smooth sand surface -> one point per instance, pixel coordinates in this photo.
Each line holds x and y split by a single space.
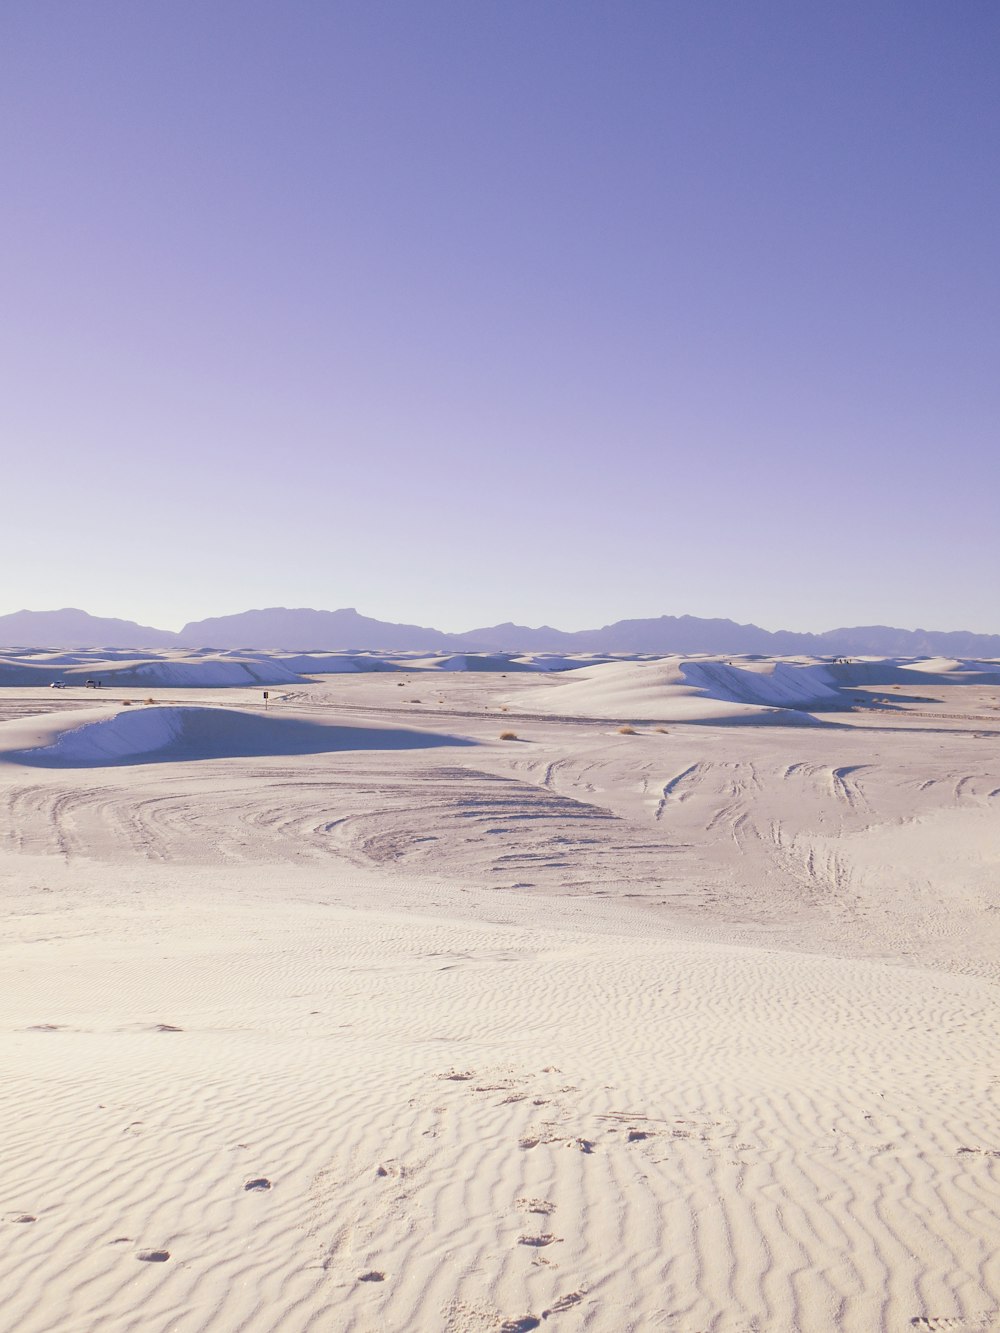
353 1016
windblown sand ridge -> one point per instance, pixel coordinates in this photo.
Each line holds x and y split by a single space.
322 1019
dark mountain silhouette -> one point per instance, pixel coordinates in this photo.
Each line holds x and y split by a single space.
71 628
303 629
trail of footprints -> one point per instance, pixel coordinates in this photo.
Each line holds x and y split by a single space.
984 1323
153 1254
539 1234
612 1131
548 1112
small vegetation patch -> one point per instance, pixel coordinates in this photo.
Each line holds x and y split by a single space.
627 731
508 735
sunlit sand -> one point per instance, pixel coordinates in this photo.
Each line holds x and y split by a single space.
343 1013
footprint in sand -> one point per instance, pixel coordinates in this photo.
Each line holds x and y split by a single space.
564 1303
373 1275
524 1324
153 1256
258 1184
20 1217
539 1242
542 1206
941 1323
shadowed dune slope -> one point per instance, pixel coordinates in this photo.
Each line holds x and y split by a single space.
90 739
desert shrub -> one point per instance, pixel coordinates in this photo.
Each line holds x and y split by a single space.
126 702
150 700
627 731
508 735
664 731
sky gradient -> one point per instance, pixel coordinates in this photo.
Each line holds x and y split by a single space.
463 313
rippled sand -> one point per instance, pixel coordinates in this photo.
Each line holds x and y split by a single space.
688 1029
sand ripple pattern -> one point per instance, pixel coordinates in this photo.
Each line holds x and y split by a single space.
697 1137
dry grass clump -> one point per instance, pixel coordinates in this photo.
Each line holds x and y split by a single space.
664 731
150 700
126 702
627 731
508 735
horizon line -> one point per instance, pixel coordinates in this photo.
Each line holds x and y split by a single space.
263 610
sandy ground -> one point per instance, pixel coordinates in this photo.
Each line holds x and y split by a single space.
356 1017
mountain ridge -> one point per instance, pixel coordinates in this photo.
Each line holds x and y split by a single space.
304 628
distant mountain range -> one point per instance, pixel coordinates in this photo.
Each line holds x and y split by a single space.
70 628
303 629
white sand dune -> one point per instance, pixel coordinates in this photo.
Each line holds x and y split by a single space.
90 738
690 690
560 661
906 671
193 668
25 671
496 662
211 672
750 689
122 672
209 667
603 1032
316 664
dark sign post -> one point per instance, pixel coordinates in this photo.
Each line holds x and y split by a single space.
265 700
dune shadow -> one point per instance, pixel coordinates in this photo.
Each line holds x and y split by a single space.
188 735
785 717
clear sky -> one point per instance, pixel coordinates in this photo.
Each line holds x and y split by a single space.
461 311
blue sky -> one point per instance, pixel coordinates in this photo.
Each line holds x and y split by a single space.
461 313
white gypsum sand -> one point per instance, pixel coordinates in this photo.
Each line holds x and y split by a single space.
351 1016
